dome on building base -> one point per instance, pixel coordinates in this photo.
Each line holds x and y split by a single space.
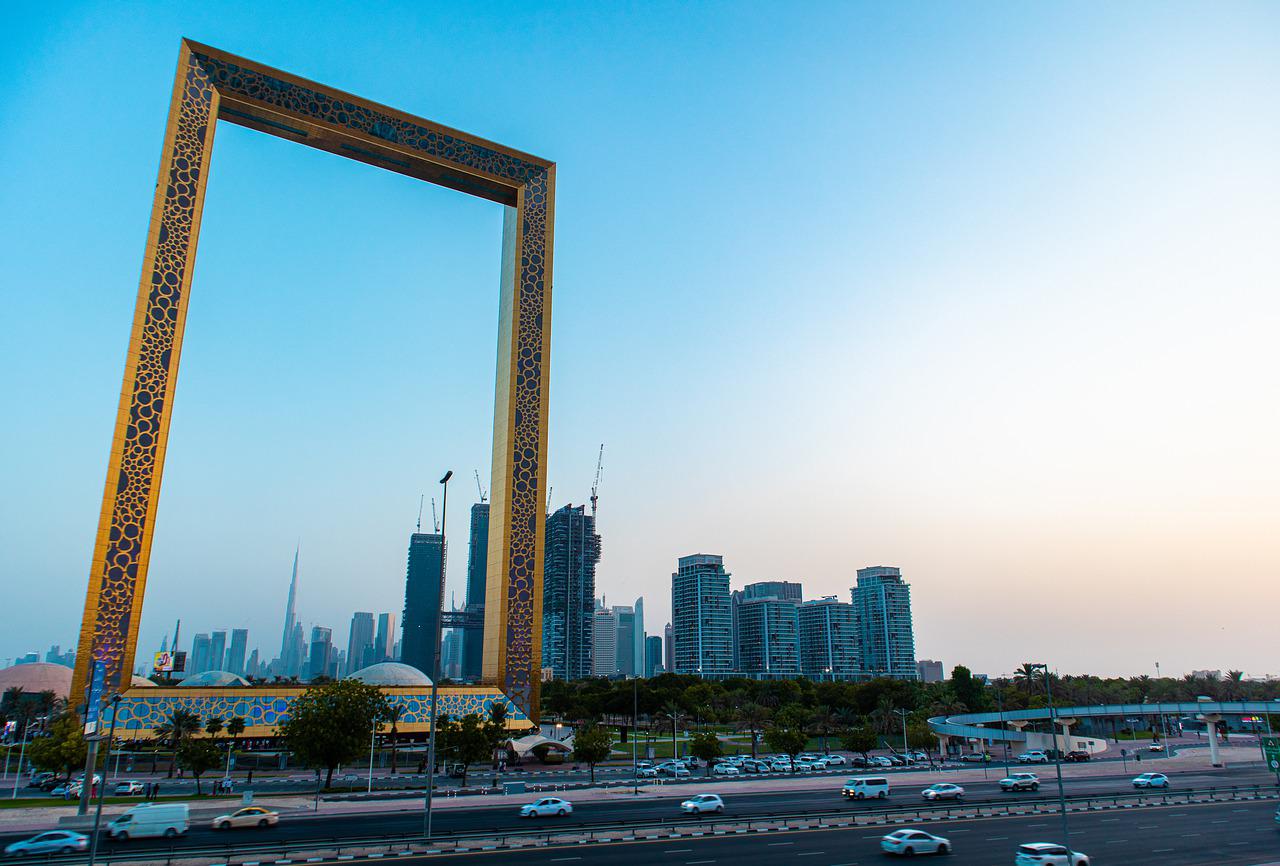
213 680
391 674
36 677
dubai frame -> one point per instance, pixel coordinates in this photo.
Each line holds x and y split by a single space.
212 85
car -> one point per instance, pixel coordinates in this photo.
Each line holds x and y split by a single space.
780 766
756 766
646 773
547 806
835 760
49 784
896 760
678 771
249 816
1156 747
858 761
1076 756
909 843
60 789
38 780
169 820
975 758
1035 756
699 803
815 763
1020 782
879 761
1048 854
943 791
865 788
643 764
1151 780
726 770
129 788
49 842
919 756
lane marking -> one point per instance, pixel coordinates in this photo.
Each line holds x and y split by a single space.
814 853
564 859
777 844
678 851
996 838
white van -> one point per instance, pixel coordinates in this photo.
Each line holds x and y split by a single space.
150 819
862 787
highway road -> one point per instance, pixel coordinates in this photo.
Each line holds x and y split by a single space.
1222 834
297 826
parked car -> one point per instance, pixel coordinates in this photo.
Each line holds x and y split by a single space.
752 765
835 760
249 816
726 770
918 756
975 757
1020 782
1156 747
646 773
151 819
879 761
1035 756
53 782
896 760
1076 756
38 780
781 766
1151 780
548 806
129 789
1048 854
858 761
943 791
699 803
865 787
49 842
909 843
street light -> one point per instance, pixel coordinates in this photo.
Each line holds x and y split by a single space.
1057 755
903 715
435 655
102 788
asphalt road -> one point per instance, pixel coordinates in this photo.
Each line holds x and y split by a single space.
1223 834
301 826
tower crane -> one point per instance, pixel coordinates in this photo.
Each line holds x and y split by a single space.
595 488
483 495
434 520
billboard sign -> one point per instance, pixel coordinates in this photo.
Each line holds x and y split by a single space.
164 662
93 707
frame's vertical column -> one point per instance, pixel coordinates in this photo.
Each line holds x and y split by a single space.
118 574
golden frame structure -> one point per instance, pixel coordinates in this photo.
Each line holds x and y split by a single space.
212 85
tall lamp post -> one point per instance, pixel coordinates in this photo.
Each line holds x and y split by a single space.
1057 755
902 714
435 654
102 789
635 718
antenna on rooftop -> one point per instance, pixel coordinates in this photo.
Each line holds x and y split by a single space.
420 499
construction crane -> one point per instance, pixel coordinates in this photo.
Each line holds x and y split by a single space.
549 489
483 494
421 499
595 488
434 520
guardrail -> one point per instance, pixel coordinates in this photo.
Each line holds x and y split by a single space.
719 825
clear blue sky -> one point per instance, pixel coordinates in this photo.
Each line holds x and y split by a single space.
987 291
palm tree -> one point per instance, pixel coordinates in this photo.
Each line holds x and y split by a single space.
177 728
392 715
884 716
752 717
1234 685
1026 677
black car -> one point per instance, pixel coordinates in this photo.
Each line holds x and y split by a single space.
1076 756
53 782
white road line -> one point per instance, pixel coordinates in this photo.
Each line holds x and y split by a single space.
678 851
1117 841
996 838
692 862
564 859
776 844
1189 835
1162 850
813 853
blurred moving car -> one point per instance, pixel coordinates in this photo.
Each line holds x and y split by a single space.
703 803
1035 756
1076 756
943 791
909 843
249 816
975 758
1151 780
1048 854
547 806
1020 782
864 787
1156 747
129 788
49 842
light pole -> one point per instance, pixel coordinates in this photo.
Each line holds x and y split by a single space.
373 738
102 789
1004 743
1164 725
435 655
1057 755
902 714
635 718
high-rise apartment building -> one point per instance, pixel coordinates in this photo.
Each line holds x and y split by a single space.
568 592
828 639
781 590
423 593
218 651
768 630
652 655
451 654
882 603
604 641
930 671
200 655
320 658
625 641
702 623
477 578
668 649
236 651
360 642
384 645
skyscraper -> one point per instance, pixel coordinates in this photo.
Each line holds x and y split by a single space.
604 641
320 656
360 642
295 664
828 639
199 655
930 671
451 654
652 655
882 603
290 665
235 652
668 650
253 668
477 575
423 594
218 651
568 592
768 630
384 645
784 590
702 624
637 640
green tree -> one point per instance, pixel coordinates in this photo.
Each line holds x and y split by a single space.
824 724
392 716
706 746
329 724
787 734
176 729
860 739
199 756
63 749
591 746
752 718
235 727
968 690
213 727
469 741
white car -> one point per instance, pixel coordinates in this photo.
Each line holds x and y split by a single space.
909 843
646 773
943 791
249 816
835 760
879 761
1035 756
703 803
1151 780
547 806
673 769
1048 854
1020 782
127 789
726 770
780 766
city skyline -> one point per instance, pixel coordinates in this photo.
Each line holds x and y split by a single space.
1011 337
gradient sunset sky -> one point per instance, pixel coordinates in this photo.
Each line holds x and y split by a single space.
986 291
